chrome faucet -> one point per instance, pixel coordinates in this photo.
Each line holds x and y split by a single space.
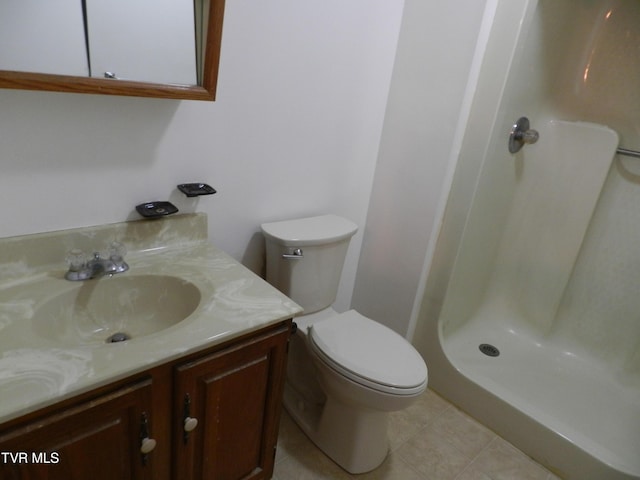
82 269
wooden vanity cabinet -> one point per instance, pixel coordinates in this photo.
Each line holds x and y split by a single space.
97 439
232 391
235 395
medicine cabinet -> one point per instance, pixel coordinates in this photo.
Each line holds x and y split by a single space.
147 48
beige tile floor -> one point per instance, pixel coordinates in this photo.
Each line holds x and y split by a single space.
431 440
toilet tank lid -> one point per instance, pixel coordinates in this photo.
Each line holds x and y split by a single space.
310 231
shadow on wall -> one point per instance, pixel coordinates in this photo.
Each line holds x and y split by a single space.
254 257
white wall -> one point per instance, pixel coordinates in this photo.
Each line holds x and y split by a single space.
435 51
295 131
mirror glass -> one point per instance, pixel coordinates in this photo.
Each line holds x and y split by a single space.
157 48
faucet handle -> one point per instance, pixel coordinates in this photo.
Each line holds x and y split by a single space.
117 251
76 259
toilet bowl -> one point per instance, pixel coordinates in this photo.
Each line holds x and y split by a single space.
345 371
376 361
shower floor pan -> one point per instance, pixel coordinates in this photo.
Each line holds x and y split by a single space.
574 396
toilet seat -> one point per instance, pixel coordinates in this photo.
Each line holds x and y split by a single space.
369 353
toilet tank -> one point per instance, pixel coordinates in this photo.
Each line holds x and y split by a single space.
305 258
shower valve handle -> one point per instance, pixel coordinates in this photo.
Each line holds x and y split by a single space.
521 135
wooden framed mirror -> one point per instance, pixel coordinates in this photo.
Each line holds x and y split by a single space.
209 59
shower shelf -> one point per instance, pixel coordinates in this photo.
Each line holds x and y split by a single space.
628 153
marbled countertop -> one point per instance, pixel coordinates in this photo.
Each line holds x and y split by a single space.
37 370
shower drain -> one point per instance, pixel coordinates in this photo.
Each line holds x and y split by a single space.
489 350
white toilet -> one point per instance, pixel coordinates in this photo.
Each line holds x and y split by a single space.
345 371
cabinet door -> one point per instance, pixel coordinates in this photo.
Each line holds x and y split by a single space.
97 440
43 37
235 395
142 41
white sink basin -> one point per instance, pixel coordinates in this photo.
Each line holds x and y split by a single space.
99 310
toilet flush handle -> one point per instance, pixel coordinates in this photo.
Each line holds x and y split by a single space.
296 254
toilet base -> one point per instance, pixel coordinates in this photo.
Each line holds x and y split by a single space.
354 438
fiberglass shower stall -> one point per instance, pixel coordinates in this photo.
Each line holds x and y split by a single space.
530 318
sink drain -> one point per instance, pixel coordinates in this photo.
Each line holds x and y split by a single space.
489 350
118 337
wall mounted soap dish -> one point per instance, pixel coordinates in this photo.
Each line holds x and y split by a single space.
196 189
156 209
